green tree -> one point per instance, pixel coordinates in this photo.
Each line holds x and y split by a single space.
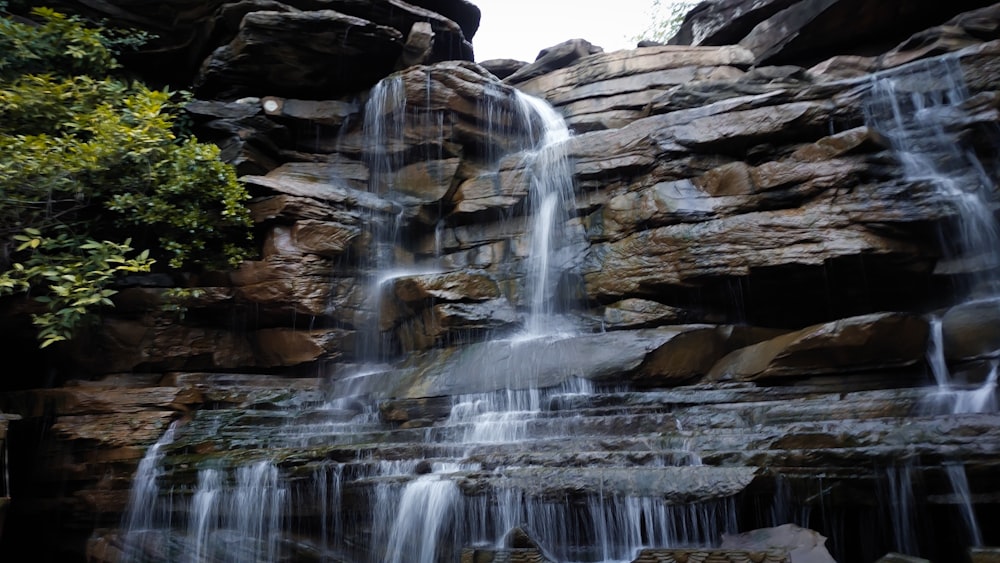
666 17
89 162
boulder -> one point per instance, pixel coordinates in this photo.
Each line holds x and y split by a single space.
639 313
875 341
972 330
322 238
284 285
454 286
282 347
554 58
693 351
502 68
313 55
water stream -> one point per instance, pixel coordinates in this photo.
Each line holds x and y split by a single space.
424 493
916 107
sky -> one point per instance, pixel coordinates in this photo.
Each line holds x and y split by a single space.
519 29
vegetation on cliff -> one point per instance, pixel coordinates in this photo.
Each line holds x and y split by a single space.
92 168
665 18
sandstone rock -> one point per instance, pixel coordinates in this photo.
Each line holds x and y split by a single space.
783 30
725 22
161 342
709 554
323 238
323 112
878 340
639 313
418 46
972 330
284 284
337 182
455 323
431 309
268 56
428 181
277 347
693 351
613 89
554 58
803 545
963 30
730 246
455 286
502 68
984 554
248 139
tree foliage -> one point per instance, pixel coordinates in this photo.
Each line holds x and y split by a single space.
90 162
665 19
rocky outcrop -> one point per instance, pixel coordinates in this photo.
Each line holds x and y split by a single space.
780 31
299 48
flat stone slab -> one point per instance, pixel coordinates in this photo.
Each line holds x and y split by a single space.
524 363
674 485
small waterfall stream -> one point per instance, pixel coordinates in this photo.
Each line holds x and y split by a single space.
915 107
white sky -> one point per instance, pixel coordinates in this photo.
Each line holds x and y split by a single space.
519 29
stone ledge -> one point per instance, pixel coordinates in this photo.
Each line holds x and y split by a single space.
525 555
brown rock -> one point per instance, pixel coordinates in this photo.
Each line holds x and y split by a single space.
984 555
878 340
461 285
972 330
639 313
693 352
300 54
321 112
289 347
162 342
323 238
553 58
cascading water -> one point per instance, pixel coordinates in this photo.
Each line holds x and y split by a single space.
421 494
551 193
915 107
145 512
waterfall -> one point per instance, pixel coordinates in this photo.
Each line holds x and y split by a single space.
425 512
422 491
953 398
960 486
902 508
915 107
551 194
204 514
145 508
383 134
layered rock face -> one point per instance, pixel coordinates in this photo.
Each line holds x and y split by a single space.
768 308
